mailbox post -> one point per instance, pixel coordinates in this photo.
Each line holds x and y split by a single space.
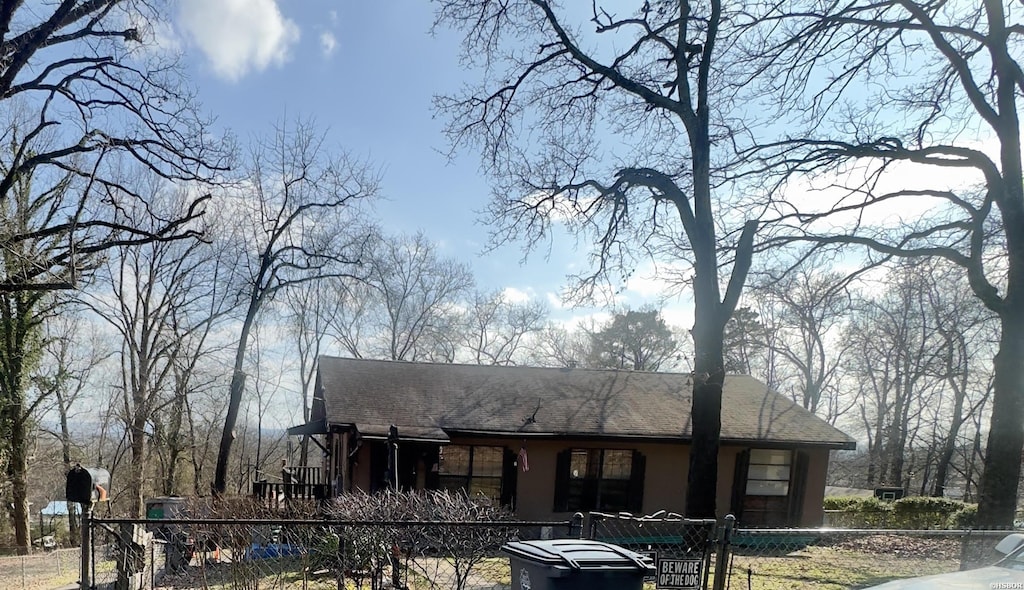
87 486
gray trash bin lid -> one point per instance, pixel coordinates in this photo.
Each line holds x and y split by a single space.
579 554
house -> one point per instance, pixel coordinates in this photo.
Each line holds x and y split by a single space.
550 442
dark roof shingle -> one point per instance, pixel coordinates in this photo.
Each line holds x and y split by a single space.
435 398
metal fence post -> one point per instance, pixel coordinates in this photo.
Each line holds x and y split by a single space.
722 552
83 582
576 526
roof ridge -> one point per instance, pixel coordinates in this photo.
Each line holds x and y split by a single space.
535 367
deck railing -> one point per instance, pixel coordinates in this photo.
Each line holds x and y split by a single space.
306 483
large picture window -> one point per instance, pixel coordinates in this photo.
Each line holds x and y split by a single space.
599 479
474 469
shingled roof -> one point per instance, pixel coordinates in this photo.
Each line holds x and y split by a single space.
429 400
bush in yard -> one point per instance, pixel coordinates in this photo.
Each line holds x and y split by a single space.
965 518
438 552
841 502
924 512
858 512
912 512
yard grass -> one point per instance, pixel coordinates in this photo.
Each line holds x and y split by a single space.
815 567
828 568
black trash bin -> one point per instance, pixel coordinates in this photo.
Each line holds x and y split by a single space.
572 564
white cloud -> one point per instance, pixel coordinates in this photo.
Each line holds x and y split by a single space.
237 36
328 43
514 295
555 300
678 315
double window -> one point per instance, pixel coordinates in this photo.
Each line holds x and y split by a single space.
476 470
599 479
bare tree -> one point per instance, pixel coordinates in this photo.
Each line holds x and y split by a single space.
497 327
82 94
70 355
418 294
656 81
558 346
933 83
84 91
745 336
895 350
155 303
309 309
195 323
298 223
813 305
262 440
351 304
967 331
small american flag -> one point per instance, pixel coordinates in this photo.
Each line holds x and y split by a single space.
524 460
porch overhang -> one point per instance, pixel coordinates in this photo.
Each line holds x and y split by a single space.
408 433
309 428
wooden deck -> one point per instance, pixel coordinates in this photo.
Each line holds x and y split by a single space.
307 483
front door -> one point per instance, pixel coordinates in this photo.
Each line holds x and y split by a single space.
768 487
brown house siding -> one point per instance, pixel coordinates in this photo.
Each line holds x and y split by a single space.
558 409
814 495
664 481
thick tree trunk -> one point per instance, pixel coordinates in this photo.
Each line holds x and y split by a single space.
237 387
706 417
997 496
227 438
17 471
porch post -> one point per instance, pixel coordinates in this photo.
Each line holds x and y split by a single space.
341 464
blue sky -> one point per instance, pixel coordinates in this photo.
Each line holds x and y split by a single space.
366 71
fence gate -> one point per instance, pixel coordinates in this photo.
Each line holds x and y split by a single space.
682 548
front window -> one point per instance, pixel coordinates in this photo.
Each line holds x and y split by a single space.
473 469
599 479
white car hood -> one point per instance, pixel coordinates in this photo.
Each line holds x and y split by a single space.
982 579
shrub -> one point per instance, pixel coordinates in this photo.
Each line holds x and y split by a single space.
840 502
912 512
459 548
924 512
965 518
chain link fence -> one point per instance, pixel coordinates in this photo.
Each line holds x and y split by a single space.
432 554
314 554
782 559
841 559
40 570
681 548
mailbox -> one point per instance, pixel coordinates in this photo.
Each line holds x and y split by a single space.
86 485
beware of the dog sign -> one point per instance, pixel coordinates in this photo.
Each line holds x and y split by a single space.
678 574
